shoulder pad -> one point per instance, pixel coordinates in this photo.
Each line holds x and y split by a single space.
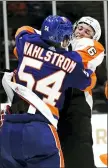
23 30
80 44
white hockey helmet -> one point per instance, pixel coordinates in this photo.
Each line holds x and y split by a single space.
92 23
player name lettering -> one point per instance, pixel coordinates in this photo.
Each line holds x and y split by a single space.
56 59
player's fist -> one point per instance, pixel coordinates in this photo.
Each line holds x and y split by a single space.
1 118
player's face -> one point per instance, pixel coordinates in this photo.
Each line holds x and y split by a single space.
84 30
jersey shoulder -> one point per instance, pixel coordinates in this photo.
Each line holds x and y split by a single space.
91 51
24 29
83 43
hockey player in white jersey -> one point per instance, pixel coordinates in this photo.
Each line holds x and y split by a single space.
75 128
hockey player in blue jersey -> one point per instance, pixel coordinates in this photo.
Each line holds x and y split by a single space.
45 70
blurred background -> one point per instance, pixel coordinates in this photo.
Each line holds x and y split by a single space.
14 14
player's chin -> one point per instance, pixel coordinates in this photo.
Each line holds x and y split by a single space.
78 37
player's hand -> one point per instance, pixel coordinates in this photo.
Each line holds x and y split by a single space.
1 118
3 113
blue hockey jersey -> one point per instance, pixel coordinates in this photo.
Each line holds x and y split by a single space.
46 70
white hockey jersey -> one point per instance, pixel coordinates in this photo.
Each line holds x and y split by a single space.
92 53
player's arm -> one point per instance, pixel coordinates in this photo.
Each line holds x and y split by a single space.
24 30
21 32
92 54
79 77
93 82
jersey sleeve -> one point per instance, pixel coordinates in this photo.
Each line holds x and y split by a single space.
93 79
92 54
79 78
24 30
19 41
19 38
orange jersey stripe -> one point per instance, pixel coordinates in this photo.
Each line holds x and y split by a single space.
58 145
54 110
24 28
15 52
93 82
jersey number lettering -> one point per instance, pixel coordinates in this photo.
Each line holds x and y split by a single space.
92 51
48 86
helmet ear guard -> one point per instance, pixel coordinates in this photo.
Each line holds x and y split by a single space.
92 23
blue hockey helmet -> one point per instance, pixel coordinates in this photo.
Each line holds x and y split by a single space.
56 28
